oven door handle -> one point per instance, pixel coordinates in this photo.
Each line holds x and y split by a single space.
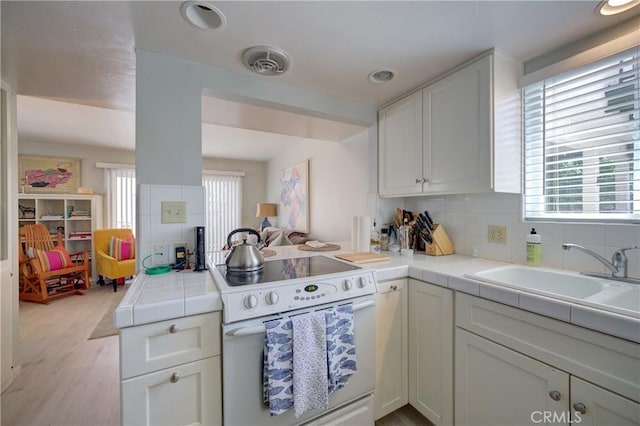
258 329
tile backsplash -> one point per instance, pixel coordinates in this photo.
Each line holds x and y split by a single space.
151 230
466 219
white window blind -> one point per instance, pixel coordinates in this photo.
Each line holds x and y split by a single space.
582 143
120 186
223 207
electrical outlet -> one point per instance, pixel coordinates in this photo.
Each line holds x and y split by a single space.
160 254
497 234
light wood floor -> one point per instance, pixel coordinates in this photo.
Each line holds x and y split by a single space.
65 378
405 416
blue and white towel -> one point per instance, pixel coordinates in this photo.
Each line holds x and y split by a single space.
278 366
310 382
338 359
341 346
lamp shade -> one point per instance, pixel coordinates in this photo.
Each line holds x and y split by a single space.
267 210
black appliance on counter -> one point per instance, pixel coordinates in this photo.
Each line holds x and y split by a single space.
200 262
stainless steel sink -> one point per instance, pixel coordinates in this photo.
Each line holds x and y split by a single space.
599 292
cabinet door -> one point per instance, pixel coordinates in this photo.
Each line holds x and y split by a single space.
184 395
431 351
594 406
457 131
498 386
392 389
400 147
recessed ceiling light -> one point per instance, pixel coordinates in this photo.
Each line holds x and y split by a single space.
613 7
203 15
381 76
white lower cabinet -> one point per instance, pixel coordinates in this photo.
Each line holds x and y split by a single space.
431 351
170 372
188 394
498 386
514 367
597 406
392 389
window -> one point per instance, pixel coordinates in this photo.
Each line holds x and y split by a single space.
120 186
223 206
582 143
223 201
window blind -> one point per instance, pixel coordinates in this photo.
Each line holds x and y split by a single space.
223 207
581 137
120 186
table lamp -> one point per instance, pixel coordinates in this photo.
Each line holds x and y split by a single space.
266 210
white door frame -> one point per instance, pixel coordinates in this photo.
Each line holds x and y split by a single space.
8 234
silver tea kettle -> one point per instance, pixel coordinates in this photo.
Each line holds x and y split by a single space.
244 257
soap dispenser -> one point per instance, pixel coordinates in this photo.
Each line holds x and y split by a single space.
534 248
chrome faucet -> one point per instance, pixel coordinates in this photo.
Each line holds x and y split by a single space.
619 261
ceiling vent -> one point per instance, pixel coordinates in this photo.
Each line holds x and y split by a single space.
266 60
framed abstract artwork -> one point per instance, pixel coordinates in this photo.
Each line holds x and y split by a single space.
294 197
48 174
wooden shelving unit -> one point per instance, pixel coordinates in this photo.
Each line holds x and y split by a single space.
76 216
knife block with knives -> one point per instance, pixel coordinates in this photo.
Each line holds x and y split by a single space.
436 240
441 244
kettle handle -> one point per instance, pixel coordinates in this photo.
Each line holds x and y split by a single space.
248 230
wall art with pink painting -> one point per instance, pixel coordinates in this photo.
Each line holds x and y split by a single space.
48 174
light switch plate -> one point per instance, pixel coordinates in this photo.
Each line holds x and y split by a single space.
174 211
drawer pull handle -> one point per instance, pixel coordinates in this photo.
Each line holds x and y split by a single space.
394 287
174 378
419 180
174 329
580 407
555 395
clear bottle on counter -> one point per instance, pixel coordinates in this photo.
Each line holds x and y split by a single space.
403 236
375 239
384 239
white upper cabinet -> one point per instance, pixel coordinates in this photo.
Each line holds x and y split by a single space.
470 134
400 146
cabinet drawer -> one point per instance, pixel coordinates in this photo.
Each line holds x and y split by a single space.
599 358
159 345
182 395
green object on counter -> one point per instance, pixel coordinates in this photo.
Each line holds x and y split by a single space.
534 248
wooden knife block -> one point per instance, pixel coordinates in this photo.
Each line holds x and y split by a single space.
441 245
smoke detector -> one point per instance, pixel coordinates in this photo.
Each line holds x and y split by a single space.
266 60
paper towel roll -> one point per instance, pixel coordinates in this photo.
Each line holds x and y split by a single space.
364 233
355 225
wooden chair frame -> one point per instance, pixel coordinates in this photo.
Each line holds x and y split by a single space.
40 286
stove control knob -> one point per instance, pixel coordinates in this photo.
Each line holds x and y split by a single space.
250 301
362 282
272 298
347 284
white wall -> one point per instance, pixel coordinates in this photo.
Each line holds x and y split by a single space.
466 218
339 182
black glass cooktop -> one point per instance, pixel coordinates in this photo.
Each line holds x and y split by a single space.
286 269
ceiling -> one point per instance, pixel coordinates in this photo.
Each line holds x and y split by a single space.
80 57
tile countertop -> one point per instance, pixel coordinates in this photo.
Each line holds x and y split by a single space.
177 294
153 298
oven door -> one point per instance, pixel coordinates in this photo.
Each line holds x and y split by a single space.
242 348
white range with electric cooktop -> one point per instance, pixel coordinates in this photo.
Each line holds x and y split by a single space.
285 288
